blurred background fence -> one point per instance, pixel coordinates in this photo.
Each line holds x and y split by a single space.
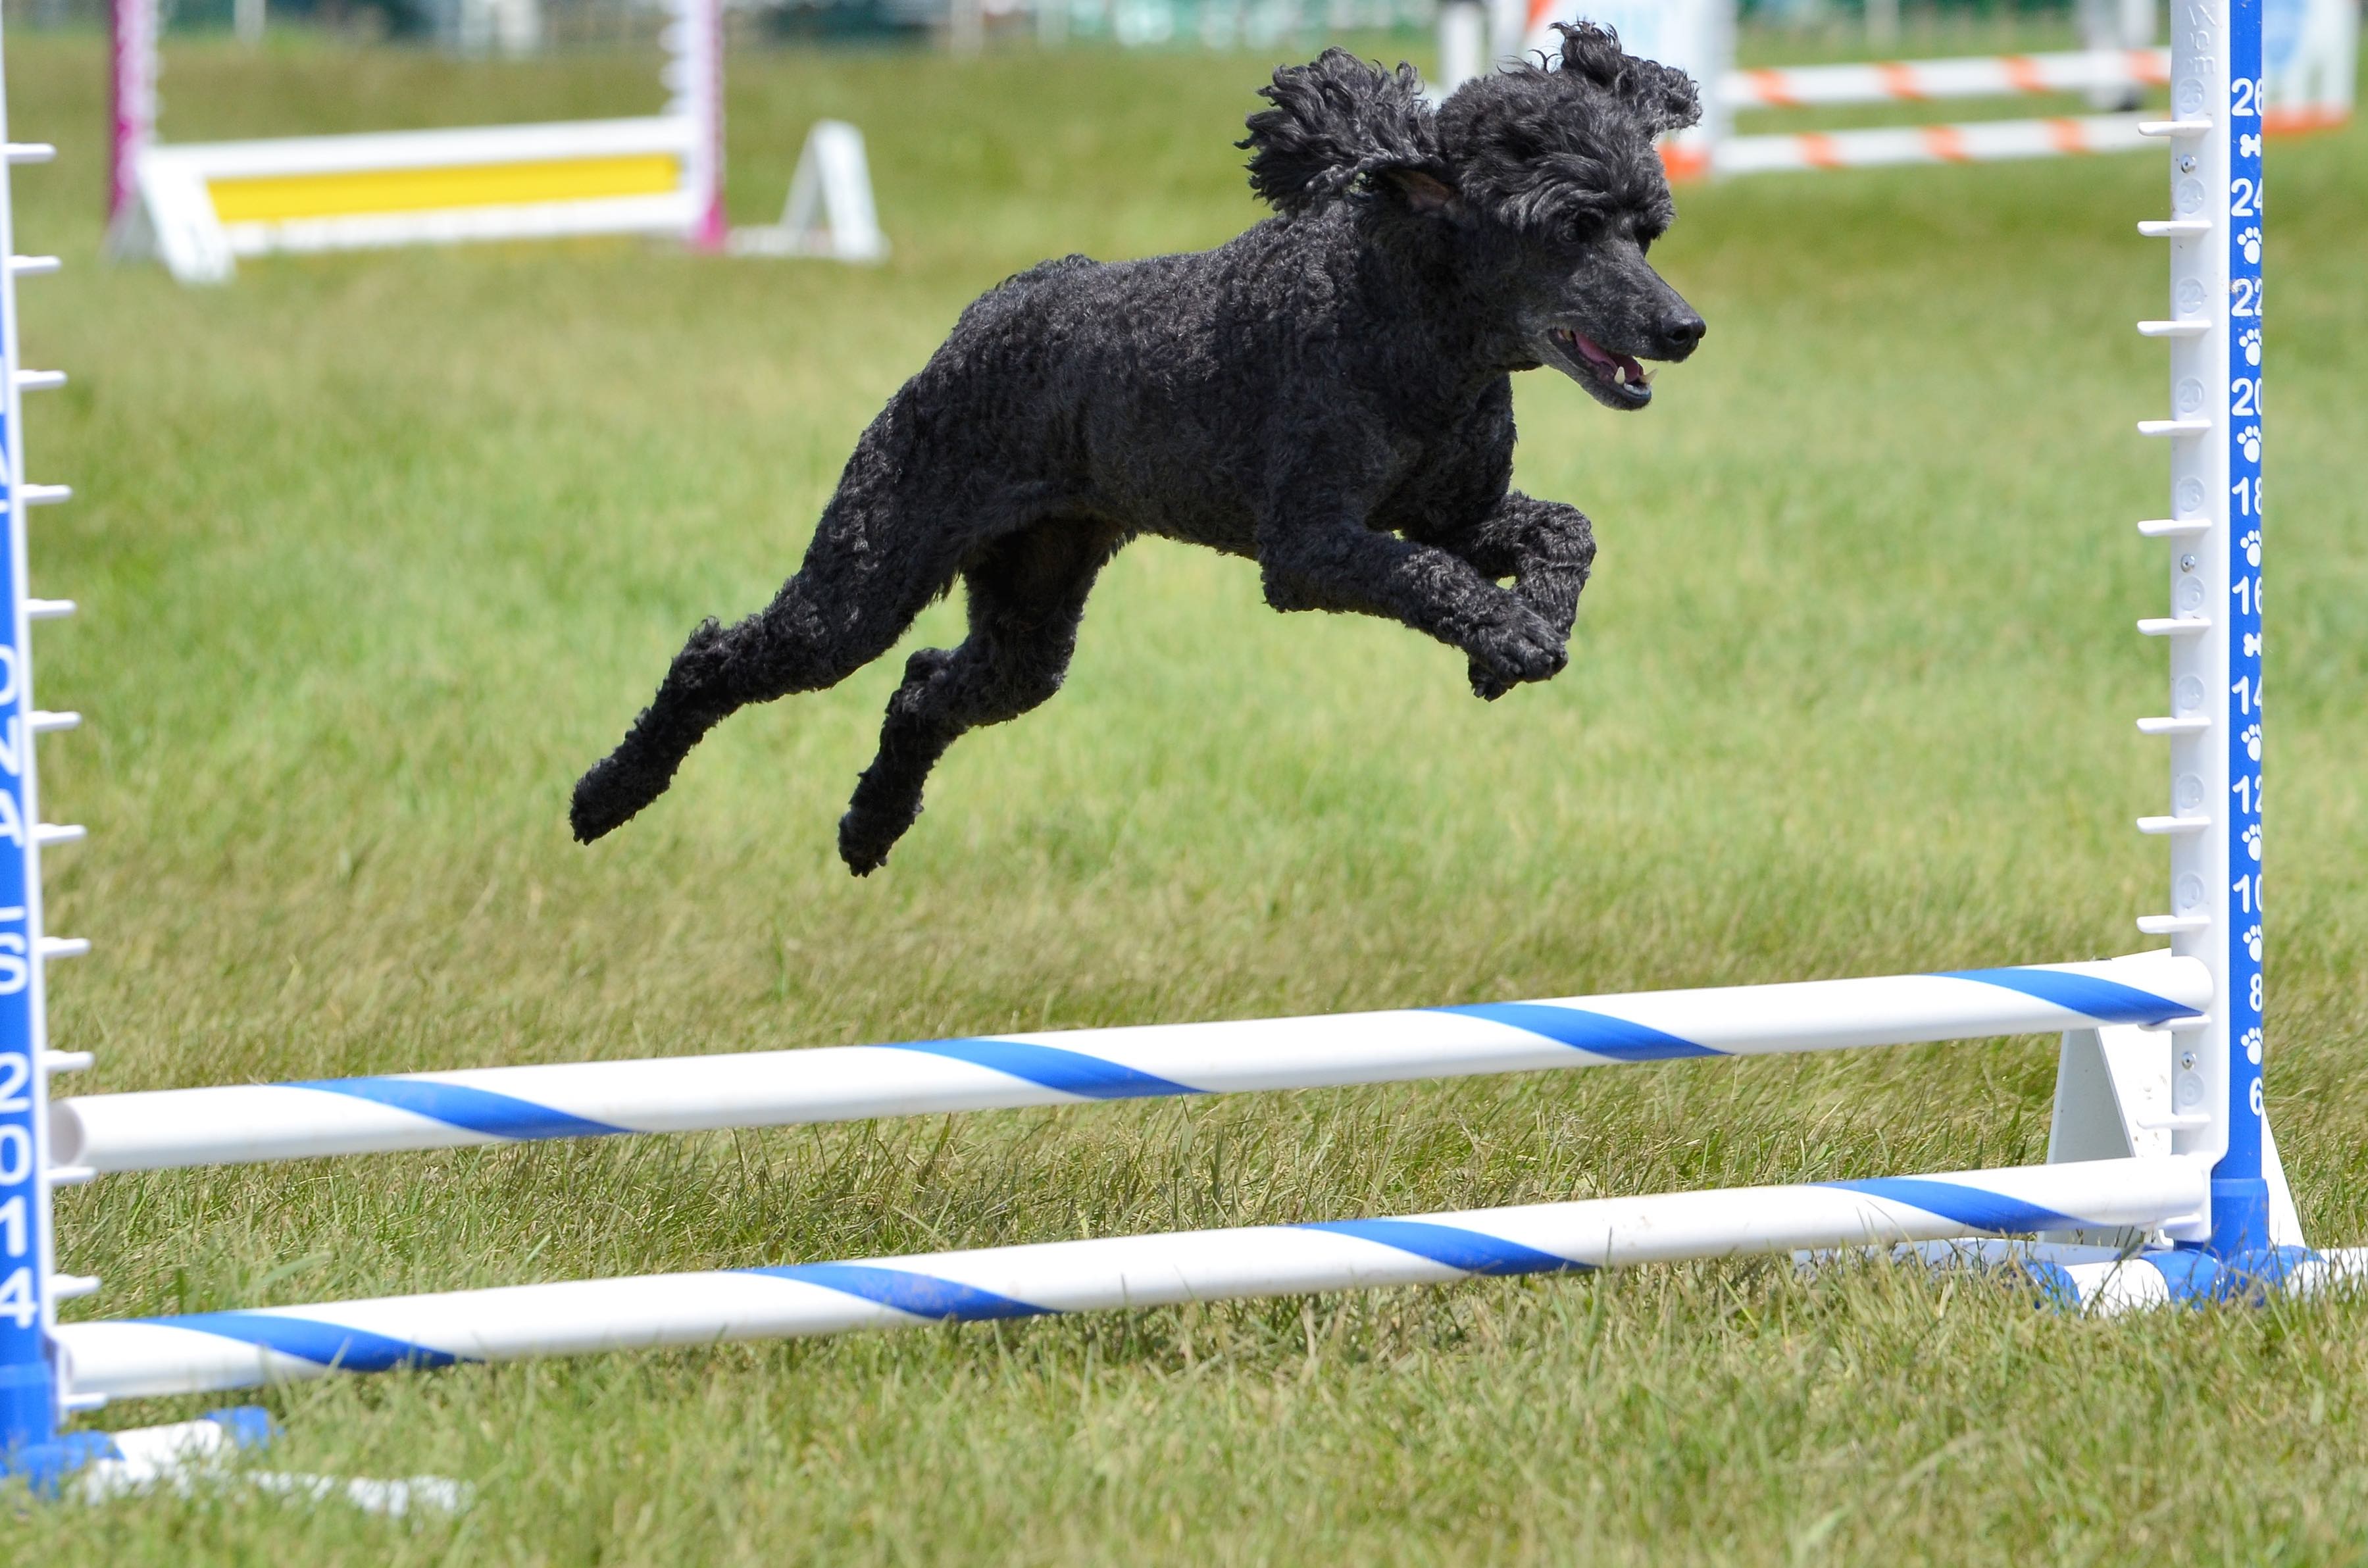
541 26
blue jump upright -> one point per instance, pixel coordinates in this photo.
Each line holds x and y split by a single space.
2162 1184
32 1395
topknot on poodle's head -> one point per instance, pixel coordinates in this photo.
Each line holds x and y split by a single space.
1546 172
1565 146
1665 96
1587 117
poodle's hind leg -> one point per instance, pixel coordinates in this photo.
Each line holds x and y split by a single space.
863 580
1027 595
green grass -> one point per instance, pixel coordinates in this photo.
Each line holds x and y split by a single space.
376 552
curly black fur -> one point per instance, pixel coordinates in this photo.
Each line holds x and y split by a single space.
1328 394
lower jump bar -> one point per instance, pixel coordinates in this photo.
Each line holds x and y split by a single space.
172 1128
143 1357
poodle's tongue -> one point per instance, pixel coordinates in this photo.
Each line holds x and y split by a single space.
1606 364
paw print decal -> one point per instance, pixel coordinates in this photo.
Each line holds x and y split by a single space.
2251 545
2252 1043
2251 342
2249 438
2253 942
2253 843
2252 739
2249 242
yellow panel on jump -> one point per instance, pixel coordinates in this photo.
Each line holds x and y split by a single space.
278 199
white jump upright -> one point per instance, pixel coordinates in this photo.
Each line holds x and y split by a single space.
32 1401
2159 1141
2213 535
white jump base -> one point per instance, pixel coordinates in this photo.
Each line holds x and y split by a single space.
180 185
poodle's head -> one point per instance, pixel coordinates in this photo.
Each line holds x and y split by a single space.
1542 178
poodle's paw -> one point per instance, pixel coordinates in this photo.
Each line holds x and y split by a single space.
613 793
1523 647
926 664
866 833
619 787
1485 684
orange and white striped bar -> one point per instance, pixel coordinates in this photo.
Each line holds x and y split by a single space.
1976 76
1978 141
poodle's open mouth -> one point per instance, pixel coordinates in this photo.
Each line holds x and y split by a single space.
1616 380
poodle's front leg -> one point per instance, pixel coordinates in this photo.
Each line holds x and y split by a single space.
1545 547
1341 564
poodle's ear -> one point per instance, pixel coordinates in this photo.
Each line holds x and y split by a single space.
1665 98
1338 122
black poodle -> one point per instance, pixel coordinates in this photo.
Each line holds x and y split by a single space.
1328 394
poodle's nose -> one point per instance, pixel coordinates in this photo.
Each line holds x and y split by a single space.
1681 331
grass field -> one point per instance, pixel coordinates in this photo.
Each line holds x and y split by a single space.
377 552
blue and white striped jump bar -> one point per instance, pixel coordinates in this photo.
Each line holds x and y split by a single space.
171 1128
235 1349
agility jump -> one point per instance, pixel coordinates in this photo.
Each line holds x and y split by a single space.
197 206
2159 1140
2307 85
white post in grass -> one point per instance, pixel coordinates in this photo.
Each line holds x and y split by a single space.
1882 23
1462 43
966 27
693 75
133 64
